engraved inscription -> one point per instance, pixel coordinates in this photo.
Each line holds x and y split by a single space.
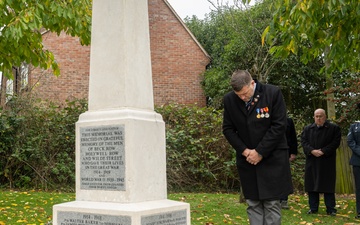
102 158
168 218
77 218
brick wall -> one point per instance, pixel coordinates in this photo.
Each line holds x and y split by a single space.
74 61
177 62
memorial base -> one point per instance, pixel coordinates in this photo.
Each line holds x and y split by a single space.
120 156
161 212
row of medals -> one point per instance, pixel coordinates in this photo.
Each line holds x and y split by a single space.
262 113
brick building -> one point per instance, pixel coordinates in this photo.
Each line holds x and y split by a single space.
177 58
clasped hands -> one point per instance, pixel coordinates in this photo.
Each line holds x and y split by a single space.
317 152
252 156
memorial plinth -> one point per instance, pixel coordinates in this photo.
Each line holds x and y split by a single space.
103 213
120 140
122 156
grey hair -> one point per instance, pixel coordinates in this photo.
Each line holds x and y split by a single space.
239 79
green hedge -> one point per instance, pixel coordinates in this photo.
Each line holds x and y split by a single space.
198 155
37 144
37 147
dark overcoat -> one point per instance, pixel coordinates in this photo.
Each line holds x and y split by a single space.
261 128
291 137
320 172
353 140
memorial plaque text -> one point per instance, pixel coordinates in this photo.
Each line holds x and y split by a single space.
102 158
168 218
77 218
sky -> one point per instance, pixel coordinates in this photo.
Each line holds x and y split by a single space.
198 7
191 7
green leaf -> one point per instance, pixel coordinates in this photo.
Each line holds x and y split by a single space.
21 25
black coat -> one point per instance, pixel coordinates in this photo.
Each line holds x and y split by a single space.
353 140
270 179
291 137
320 172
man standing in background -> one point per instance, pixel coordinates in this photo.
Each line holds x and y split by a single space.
353 140
320 141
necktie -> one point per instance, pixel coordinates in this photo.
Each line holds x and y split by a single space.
248 104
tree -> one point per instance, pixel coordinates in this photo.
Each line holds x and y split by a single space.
346 96
22 23
301 85
232 37
317 28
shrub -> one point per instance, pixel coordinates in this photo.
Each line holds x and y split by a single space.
38 143
37 147
297 171
198 156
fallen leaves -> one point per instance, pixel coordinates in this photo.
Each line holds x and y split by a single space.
35 208
29 207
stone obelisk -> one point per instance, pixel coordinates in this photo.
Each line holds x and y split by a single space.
120 140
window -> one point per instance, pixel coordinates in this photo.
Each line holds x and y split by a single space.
20 82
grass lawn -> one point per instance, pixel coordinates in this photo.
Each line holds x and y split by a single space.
35 207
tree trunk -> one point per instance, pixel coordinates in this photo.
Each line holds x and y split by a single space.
329 84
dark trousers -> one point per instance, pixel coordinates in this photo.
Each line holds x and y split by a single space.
356 171
329 199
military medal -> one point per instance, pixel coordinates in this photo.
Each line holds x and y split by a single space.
258 113
266 109
262 113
